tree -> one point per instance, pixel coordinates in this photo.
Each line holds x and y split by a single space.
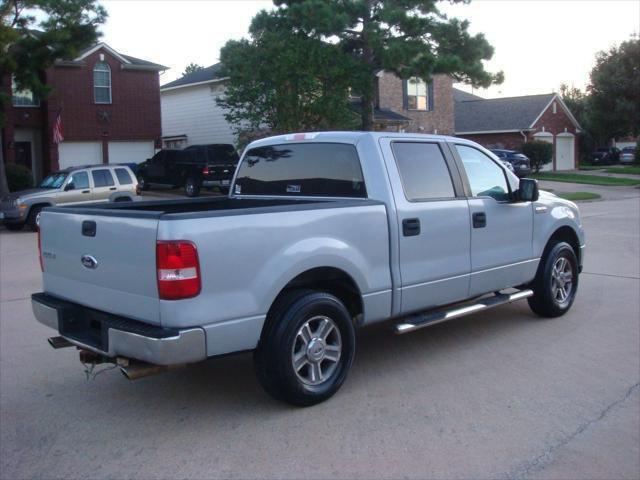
192 68
28 46
615 91
407 37
281 80
540 153
578 103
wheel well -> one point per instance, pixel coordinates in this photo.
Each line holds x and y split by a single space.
330 280
565 234
42 205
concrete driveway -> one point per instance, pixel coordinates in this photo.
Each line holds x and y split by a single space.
497 395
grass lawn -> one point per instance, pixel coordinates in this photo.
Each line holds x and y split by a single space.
630 170
590 167
587 179
577 196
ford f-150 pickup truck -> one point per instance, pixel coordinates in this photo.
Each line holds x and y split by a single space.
321 233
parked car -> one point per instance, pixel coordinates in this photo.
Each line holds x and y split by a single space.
519 161
322 233
83 184
605 156
628 155
192 168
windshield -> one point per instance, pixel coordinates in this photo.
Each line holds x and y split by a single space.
55 180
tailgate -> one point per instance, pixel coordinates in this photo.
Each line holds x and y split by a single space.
106 262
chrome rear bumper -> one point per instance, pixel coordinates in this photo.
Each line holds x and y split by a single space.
169 347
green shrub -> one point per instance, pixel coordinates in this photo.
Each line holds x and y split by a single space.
540 153
18 177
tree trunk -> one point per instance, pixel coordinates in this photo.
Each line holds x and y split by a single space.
4 186
367 112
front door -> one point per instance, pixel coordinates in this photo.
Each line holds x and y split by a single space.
76 189
501 231
23 154
433 223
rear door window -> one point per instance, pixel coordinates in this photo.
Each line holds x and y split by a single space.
311 169
423 171
123 176
102 178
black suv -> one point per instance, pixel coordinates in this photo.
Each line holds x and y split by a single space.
605 156
194 167
519 161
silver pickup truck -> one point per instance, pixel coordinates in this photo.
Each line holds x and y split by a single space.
321 233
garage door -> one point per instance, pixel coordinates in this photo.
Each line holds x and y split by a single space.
72 154
565 152
130 152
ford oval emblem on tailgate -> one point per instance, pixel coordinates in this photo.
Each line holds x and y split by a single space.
89 262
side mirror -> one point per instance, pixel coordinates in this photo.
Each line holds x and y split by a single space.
69 186
527 191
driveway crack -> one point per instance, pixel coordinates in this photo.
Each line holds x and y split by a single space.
545 458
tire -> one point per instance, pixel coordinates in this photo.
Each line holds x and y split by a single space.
14 227
144 186
556 282
283 342
34 218
191 187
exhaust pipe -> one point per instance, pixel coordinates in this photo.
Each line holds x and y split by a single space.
135 371
59 342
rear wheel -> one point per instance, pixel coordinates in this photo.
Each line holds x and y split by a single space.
556 282
33 220
306 349
191 187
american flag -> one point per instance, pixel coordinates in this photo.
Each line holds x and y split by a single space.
58 132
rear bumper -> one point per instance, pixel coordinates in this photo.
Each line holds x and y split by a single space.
216 183
115 336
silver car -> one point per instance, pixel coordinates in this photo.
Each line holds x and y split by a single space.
82 184
628 155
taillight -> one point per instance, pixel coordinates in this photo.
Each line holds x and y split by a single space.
178 270
205 171
40 251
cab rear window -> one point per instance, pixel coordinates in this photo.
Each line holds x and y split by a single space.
303 169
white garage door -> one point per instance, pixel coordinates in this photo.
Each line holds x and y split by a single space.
565 152
130 152
72 154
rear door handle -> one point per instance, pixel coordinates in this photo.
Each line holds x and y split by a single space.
86 191
479 220
112 188
411 227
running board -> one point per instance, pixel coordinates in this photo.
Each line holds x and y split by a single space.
415 322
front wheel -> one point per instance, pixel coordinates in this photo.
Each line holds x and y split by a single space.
33 220
306 349
556 283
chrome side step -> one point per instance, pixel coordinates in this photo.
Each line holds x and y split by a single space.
415 322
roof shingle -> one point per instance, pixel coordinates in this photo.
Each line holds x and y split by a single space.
209 73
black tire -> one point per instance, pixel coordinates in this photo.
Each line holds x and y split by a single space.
274 356
142 183
547 301
34 217
14 227
191 187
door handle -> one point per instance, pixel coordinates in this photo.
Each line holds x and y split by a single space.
112 188
479 220
411 227
86 191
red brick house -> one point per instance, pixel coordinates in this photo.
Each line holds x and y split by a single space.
109 104
509 122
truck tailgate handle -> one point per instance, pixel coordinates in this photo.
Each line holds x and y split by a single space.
411 227
479 220
89 228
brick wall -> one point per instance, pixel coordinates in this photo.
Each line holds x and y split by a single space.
440 119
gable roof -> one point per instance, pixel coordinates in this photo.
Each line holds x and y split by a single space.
126 60
462 96
501 114
206 75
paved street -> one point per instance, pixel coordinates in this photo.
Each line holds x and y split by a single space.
503 394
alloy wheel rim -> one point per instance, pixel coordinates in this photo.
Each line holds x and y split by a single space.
561 280
316 350
38 219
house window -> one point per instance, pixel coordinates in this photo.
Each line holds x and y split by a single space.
23 98
102 83
417 94
555 108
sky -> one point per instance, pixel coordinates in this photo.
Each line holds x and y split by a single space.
539 44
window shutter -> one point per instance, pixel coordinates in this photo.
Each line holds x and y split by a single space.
430 94
405 100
